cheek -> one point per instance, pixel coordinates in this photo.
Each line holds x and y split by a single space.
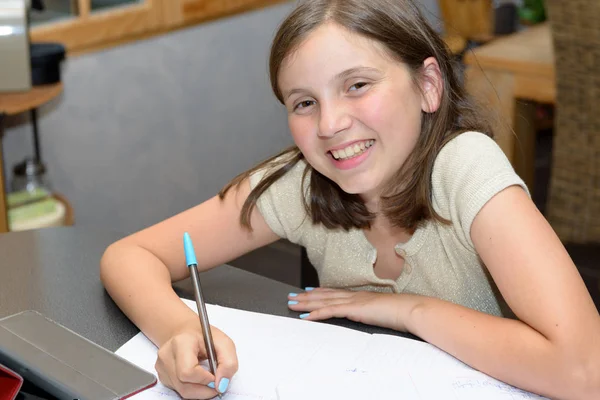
382 115
392 113
300 130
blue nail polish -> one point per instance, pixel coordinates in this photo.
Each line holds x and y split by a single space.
304 315
293 294
292 302
211 385
223 385
308 289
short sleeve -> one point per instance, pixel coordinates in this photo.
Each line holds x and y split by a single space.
281 205
468 172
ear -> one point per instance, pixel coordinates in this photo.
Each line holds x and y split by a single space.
431 85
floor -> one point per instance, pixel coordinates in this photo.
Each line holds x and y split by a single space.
283 261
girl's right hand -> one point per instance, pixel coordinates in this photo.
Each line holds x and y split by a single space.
178 363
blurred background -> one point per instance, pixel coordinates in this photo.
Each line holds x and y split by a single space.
117 114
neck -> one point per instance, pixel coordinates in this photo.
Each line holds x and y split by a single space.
372 201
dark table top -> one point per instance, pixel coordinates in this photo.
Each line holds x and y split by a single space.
55 271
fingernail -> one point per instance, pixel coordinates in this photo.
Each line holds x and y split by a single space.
292 302
293 294
211 385
308 288
304 315
223 384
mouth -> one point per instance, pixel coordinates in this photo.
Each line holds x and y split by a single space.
351 151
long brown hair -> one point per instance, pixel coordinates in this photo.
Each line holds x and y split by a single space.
408 38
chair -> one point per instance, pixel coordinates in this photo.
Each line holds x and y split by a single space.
466 20
574 195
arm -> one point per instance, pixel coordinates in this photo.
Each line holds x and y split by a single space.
137 271
553 349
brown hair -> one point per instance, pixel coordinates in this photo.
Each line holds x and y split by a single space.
408 38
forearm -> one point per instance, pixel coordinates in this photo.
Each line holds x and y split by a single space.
506 349
141 286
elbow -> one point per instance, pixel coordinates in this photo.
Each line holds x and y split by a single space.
590 382
108 262
585 378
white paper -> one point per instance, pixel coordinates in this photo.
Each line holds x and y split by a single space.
393 367
269 349
291 359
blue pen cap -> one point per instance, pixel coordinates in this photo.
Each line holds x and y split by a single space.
190 255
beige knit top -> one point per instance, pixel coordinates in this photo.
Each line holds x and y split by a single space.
440 260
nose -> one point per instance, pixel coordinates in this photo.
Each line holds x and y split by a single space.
333 119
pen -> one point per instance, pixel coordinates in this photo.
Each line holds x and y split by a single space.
190 259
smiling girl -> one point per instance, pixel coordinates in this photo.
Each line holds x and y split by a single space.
410 212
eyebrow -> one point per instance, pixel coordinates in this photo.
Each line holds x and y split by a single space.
341 76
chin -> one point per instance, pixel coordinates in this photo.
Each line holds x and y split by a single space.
355 187
354 184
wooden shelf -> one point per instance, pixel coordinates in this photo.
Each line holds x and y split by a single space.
69 214
17 102
13 103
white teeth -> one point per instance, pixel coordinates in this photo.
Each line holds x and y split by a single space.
352 150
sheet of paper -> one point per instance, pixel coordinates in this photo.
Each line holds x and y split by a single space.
466 385
349 384
291 359
393 367
357 384
269 349
387 352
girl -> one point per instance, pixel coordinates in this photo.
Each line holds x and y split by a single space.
410 212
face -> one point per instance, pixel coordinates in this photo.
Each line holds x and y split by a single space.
353 111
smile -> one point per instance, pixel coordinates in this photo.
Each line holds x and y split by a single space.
353 150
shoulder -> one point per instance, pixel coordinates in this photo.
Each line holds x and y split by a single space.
468 147
468 171
471 156
282 203
291 177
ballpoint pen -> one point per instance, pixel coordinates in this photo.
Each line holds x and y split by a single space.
190 259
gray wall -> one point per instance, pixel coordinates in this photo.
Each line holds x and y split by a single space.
149 129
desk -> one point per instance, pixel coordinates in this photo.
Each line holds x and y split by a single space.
519 66
16 103
55 271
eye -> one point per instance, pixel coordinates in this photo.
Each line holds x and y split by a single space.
357 86
304 104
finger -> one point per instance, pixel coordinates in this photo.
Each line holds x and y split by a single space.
162 370
320 294
186 390
317 304
318 289
335 311
227 362
195 391
187 365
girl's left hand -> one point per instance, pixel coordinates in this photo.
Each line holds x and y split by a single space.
387 310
